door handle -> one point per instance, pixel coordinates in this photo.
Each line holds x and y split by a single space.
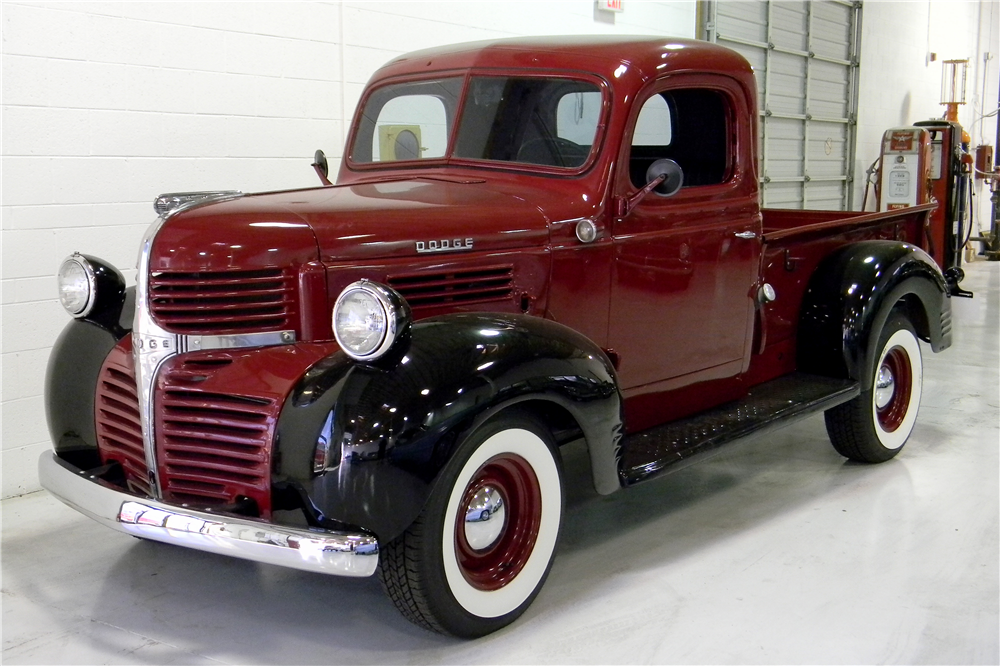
746 234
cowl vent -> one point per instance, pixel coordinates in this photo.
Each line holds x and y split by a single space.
453 287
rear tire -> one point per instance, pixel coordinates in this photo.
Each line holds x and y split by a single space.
481 549
874 426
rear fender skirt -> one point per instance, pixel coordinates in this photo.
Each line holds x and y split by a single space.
385 430
850 296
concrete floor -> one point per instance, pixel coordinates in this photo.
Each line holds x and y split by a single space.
777 551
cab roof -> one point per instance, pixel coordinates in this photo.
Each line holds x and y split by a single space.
600 54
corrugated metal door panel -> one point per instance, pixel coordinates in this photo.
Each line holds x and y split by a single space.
831 33
826 195
784 195
804 56
830 92
785 145
789 25
786 85
745 21
826 150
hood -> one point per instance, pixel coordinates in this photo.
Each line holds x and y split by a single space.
231 236
384 220
402 218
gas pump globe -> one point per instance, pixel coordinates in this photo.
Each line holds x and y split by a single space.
953 89
953 81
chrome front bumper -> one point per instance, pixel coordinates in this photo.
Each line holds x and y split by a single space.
321 551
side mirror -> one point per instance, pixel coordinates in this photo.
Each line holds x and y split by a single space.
322 167
673 177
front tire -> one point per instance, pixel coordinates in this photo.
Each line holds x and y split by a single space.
480 551
874 426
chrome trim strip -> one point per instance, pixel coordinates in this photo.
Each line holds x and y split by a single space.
575 220
319 551
235 341
151 346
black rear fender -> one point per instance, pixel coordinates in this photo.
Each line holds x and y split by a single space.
851 295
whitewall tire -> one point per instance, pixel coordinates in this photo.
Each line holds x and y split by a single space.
874 426
481 550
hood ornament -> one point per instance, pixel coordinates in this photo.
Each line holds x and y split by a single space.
168 204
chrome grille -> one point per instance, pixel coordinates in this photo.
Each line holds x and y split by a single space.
213 448
116 406
223 302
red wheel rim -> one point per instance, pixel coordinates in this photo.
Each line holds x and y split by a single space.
493 567
897 363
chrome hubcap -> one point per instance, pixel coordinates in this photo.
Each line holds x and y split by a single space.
885 387
485 516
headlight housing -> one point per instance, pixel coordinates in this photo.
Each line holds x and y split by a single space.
91 288
368 318
77 285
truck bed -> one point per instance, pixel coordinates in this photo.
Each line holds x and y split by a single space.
795 241
780 224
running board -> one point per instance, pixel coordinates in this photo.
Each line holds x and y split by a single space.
765 408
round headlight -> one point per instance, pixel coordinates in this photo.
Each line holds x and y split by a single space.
367 319
77 285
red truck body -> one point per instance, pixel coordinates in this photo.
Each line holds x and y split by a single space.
525 283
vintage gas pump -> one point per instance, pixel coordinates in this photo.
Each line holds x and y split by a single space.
951 176
931 162
903 178
951 168
922 164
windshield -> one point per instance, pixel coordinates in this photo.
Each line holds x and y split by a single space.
526 120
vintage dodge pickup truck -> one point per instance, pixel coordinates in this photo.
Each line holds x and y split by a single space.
529 242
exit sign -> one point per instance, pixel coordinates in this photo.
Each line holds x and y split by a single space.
611 5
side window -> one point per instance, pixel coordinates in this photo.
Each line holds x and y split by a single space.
690 127
652 128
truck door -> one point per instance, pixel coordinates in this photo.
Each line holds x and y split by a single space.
685 266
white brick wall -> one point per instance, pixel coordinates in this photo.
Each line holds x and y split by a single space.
107 104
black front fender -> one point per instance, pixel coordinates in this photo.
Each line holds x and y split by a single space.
385 430
850 297
72 374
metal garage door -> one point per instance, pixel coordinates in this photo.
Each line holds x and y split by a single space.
805 56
